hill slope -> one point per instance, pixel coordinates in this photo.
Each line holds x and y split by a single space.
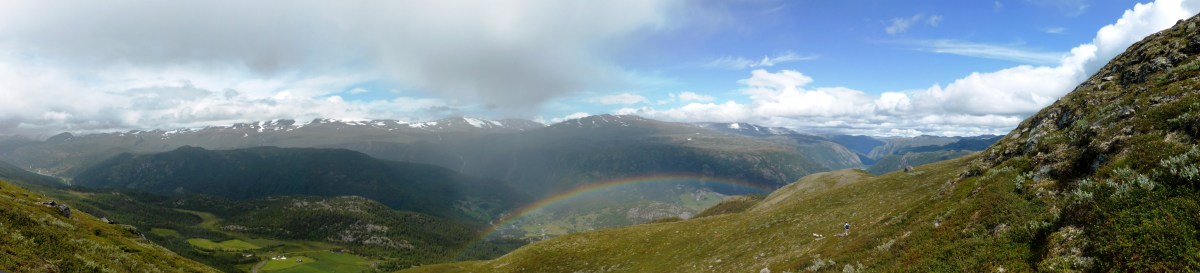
269 171
395 239
776 233
38 238
15 174
1105 179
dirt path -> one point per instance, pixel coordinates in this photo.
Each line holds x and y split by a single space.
258 266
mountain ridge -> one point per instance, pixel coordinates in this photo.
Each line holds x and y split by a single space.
266 171
1104 179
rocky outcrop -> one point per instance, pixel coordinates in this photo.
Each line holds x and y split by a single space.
1097 121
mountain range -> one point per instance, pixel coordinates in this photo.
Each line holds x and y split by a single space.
1103 180
269 171
536 160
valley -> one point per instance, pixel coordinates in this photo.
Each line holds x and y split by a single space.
600 136
234 209
520 162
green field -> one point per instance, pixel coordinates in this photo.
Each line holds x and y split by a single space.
229 245
209 221
165 232
321 261
290 262
303 256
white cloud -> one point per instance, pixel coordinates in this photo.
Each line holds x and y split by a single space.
506 56
935 20
730 62
623 98
900 25
988 51
688 96
979 103
1070 8
1055 30
1025 89
44 99
576 115
695 112
782 94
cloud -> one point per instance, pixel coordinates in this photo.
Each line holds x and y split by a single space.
696 112
782 99
1055 30
737 63
687 96
900 25
979 103
576 115
987 51
509 56
1025 89
623 98
935 20
1070 8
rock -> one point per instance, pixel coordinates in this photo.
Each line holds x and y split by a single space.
765 270
1193 45
66 211
1000 229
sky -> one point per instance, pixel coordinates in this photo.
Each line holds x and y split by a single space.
871 67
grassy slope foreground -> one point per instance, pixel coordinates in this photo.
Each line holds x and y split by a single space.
776 233
1105 179
37 238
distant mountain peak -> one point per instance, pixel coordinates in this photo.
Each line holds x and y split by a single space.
473 123
604 120
747 129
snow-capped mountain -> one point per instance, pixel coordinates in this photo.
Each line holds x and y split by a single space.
746 129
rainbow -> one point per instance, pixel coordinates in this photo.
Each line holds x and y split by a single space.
573 193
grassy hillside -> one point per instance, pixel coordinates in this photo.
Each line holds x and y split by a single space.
776 233
1105 179
907 152
14 174
893 163
38 238
269 171
540 162
219 231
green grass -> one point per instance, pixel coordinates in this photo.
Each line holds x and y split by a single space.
610 208
265 243
732 205
208 220
164 232
290 262
319 261
776 232
36 238
228 245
